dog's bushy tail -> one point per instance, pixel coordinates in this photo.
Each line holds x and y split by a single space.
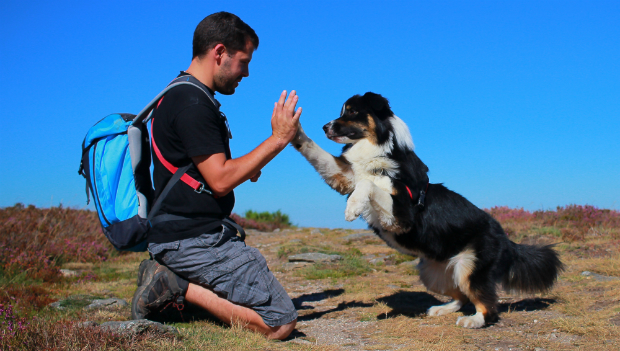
533 269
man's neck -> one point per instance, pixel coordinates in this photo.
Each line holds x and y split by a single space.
200 70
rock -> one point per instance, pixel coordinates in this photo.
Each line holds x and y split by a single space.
598 277
107 304
56 305
368 257
314 257
359 237
75 301
316 231
68 273
88 302
291 266
378 260
295 241
391 286
139 326
277 230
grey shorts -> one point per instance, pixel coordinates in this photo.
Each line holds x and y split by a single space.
231 269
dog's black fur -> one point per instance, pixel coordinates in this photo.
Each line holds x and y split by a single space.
446 224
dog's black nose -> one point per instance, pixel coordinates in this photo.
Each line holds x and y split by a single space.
327 126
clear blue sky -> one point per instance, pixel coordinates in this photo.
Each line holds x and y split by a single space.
511 103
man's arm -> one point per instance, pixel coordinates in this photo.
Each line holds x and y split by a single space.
224 175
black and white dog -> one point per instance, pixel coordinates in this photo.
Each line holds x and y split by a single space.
464 252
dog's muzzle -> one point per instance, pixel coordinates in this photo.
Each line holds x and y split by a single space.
329 130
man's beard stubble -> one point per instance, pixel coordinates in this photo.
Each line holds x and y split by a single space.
225 84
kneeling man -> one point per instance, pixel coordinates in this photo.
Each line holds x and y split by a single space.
197 253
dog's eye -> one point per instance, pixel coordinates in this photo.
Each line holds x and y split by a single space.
352 112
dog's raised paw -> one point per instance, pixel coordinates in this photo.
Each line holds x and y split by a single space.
350 215
471 322
354 209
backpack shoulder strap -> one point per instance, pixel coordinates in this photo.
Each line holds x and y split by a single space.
144 115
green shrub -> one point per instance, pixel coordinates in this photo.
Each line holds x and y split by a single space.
270 217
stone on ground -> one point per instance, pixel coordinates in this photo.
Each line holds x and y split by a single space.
138 326
314 257
107 304
359 236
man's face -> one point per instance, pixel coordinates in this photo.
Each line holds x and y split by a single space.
232 69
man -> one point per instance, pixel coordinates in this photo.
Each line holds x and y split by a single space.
199 256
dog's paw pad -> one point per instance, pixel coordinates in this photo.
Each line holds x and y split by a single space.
471 322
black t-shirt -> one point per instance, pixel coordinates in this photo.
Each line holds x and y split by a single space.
187 124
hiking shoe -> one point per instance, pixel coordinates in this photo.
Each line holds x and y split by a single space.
146 265
159 287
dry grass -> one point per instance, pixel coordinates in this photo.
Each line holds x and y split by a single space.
349 305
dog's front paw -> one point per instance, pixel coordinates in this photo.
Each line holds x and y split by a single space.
300 138
350 215
354 209
472 322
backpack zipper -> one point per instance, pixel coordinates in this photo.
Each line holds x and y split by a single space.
96 193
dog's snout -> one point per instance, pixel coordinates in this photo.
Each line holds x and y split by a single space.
328 126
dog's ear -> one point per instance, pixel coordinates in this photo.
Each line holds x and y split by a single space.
378 103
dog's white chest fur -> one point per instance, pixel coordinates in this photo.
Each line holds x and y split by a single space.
372 172
370 162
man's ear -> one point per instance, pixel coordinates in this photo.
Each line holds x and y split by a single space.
377 102
219 50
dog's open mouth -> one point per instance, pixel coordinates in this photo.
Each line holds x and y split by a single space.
338 138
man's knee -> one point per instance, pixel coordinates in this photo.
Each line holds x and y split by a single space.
283 331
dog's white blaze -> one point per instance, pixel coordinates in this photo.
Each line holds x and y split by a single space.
401 132
462 265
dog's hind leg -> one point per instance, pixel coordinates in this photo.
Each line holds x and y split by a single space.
459 299
336 171
438 277
484 313
484 298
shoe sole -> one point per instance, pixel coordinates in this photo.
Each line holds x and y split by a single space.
135 314
143 266
146 272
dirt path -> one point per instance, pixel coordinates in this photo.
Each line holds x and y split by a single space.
384 308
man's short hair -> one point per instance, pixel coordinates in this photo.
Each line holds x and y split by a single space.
222 28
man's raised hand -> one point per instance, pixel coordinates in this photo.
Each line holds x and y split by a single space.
284 120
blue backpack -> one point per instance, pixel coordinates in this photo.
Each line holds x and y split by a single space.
116 161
